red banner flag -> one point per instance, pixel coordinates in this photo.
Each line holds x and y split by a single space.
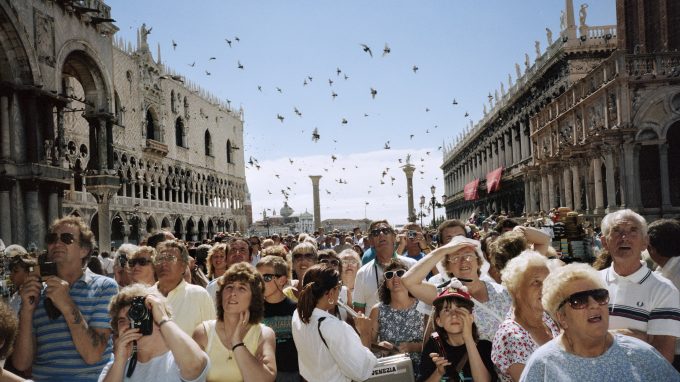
470 190
493 180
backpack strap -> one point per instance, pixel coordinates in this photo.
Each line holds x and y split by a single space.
318 327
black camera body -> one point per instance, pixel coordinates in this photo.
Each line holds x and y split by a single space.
412 234
46 267
140 316
122 260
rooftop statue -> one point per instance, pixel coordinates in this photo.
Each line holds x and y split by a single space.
582 13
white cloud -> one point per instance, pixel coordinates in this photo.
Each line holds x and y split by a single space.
362 172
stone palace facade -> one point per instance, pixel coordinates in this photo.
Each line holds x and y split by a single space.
96 127
593 124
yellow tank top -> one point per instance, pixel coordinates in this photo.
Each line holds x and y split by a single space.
223 365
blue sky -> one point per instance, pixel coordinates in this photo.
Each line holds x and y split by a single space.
463 50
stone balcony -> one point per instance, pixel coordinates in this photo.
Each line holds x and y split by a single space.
156 148
119 203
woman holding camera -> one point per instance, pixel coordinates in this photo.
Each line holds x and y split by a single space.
165 354
239 346
329 350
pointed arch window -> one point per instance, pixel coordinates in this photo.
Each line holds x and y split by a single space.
180 133
229 152
208 143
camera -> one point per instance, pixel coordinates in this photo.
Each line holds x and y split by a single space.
140 316
411 234
122 260
46 267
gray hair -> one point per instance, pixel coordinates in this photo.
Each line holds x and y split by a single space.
514 271
554 285
611 219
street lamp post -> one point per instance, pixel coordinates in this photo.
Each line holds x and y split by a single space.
433 189
422 205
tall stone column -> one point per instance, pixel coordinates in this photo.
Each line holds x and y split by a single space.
577 187
501 151
552 200
4 128
544 193
611 184
35 219
508 148
532 195
524 134
568 201
317 204
632 179
5 216
52 207
408 170
599 195
515 146
665 185
103 196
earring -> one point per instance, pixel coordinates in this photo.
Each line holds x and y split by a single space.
330 301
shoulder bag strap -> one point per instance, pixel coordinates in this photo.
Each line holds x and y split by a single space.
318 327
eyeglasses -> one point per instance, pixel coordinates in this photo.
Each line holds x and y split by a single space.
238 249
459 258
390 274
142 261
66 238
269 277
384 230
165 259
350 262
332 262
306 256
579 300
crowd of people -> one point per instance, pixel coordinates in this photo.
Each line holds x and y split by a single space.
462 303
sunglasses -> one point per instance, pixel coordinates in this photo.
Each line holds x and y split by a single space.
332 262
385 231
142 261
458 259
390 274
579 300
165 259
66 238
306 256
269 277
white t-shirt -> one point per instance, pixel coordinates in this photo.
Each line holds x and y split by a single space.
107 265
368 280
161 368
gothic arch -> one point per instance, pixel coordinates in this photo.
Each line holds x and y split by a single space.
77 59
152 124
151 224
22 65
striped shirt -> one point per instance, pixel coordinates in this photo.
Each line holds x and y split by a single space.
57 358
642 301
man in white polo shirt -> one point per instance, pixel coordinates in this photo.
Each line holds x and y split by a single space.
641 303
191 304
370 276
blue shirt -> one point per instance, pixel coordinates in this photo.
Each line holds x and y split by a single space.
627 359
57 358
